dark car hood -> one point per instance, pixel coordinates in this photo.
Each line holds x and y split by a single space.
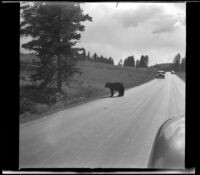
168 151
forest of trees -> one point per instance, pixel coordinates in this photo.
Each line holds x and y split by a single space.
95 58
178 64
130 61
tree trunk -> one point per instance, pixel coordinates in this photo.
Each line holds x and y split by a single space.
59 74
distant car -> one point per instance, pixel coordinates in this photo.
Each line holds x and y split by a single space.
168 151
160 74
172 72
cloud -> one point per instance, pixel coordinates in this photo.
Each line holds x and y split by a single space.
162 19
171 19
165 23
134 17
168 23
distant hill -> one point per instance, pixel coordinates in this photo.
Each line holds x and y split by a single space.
164 66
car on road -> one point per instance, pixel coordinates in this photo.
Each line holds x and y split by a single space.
160 74
172 72
168 151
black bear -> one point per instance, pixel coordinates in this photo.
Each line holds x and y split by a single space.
115 87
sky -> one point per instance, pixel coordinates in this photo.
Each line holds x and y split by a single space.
134 29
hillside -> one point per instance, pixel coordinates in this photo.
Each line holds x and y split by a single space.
88 85
164 66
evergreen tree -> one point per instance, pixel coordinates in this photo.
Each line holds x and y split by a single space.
120 63
144 60
88 56
95 57
101 59
183 64
110 61
55 29
137 64
84 57
130 61
176 62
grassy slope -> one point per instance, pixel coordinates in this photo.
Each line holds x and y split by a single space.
96 74
90 84
181 75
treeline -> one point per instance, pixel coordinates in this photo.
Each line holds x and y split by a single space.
95 58
130 61
178 63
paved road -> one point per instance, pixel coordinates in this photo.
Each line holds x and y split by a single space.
108 132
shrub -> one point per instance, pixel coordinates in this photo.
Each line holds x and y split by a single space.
40 108
26 105
33 99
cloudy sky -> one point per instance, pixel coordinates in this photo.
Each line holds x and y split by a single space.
154 29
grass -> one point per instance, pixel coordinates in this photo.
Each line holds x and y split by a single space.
181 75
87 86
96 74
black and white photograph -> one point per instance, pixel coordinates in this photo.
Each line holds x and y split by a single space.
102 85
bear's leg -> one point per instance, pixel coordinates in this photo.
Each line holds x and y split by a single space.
120 93
112 92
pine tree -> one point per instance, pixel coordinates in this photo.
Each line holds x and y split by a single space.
101 59
95 57
176 62
143 62
55 29
137 64
130 61
120 63
146 60
83 55
88 56
183 64
110 61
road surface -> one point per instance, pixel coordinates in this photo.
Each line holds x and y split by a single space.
113 132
